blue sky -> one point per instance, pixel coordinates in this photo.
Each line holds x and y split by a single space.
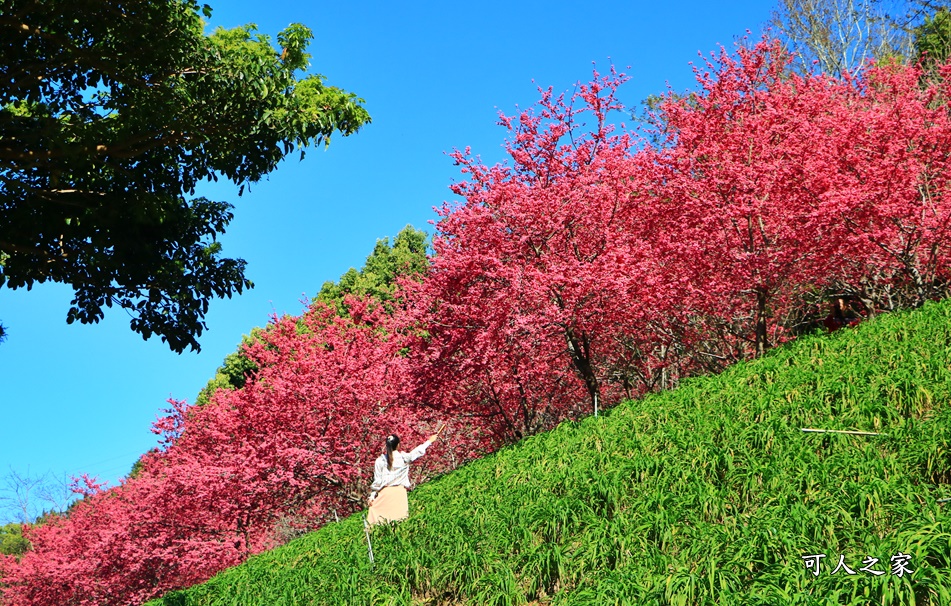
81 399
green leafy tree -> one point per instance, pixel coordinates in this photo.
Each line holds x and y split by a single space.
378 278
233 372
111 113
933 40
12 541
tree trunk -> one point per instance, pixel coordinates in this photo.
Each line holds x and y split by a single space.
580 351
762 344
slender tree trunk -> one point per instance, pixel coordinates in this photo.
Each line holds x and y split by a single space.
663 370
762 344
580 350
911 266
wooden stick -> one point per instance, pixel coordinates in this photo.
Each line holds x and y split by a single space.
848 431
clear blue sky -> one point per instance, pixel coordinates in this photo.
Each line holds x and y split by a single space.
81 399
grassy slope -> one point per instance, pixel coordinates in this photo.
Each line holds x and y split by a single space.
709 494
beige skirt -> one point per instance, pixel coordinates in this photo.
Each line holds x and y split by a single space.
389 505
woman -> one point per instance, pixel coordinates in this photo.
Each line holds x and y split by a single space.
388 501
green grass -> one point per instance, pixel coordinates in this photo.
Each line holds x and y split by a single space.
709 494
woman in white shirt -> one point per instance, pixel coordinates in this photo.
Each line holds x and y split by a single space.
388 502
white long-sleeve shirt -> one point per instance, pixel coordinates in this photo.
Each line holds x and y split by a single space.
399 475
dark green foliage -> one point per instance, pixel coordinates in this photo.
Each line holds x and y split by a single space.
111 113
709 494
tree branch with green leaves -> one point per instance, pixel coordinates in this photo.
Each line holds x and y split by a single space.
111 114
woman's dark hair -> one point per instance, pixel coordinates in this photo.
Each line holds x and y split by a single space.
392 441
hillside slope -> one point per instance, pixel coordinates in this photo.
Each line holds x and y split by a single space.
709 494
